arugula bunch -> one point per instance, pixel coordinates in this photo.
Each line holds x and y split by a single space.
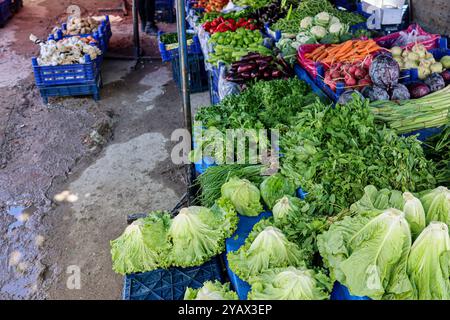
333 153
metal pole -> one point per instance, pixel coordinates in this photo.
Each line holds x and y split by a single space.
185 92
136 41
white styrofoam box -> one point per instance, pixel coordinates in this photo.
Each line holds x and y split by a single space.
391 16
384 3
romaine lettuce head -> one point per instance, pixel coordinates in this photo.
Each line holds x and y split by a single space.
244 196
289 284
143 246
211 291
285 207
429 263
375 201
369 255
414 213
264 249
198 234
437 205
275 187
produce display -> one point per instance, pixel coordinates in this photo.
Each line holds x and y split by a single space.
67 51
231 46
211 291
357 200
222 25
255 66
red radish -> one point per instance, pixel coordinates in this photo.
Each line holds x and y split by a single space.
335 75
352 70
350 81
364 82
360 73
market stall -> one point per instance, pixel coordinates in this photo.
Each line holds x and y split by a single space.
350 198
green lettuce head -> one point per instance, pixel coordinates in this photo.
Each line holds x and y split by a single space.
198 234
286 207
369 255
289 284
275 187
437 205
143 246
244 196
211 291
414 213
429 263
264 249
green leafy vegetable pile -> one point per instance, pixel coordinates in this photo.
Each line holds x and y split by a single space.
372 252
266 104
191 238
333 153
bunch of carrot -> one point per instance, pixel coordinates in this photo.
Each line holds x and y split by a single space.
351 50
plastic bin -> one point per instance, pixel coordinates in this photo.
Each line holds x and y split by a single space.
198 77
303 75
169 284
340 292
91 88
349 5
169 52
85 73
233 243
5 12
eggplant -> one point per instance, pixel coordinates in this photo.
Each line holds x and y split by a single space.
246 75
276 73
246 68
263 66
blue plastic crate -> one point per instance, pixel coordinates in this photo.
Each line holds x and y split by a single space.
85 73
169 54
245 226
92 88
169 284
302 74
411 75
341 292
198 77
424 134
5 12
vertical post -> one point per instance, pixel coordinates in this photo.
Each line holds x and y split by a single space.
136 41
185 92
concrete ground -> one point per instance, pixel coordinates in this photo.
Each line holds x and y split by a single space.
71 171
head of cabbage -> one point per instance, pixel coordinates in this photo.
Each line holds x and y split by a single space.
429 263
244 195
289 284
211 291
